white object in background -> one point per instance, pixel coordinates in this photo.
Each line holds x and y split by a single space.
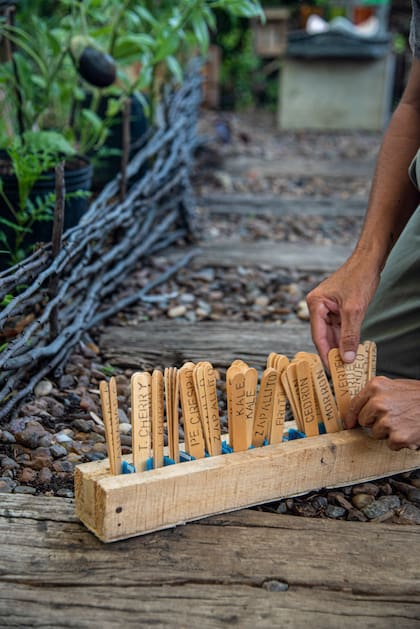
368 28
316 24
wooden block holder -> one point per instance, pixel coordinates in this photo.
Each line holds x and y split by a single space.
122 506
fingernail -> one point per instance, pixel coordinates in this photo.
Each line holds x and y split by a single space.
348 357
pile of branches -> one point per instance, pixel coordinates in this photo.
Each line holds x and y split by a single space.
58 296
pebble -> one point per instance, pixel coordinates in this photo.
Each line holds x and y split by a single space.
67 381
31 434
24 489
366 488
381 506
303 311
83 425
122 416
27 475
333 511
262 301
44 387
57 451
409 514
319 502
44 475
177 311
62 437
414 496
7 437
7 485
7 463
125 428
362 500
65 493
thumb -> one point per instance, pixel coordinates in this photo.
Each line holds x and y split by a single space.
349 336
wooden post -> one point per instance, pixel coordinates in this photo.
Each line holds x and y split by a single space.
57 234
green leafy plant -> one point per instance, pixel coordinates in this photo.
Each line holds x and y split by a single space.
65 57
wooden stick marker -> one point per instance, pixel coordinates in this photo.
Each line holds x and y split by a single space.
307 398
209 375
326 401
357 371
275 433
141 418
265 404
339 379
193 431
109 404
200 392
253 418
157 418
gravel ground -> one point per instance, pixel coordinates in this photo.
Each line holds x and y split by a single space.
60 425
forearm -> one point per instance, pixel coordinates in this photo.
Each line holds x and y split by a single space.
393 197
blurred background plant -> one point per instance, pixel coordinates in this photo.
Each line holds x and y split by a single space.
69 67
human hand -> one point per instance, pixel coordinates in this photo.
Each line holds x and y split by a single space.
391 409
337 308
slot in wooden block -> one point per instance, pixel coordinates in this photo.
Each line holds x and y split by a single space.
117 507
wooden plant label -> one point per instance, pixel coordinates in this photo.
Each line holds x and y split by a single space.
141 418
200 392
291 386
307 398
239 440
251 381
167 381
356 372
112 423
175 414
157 418
264 408
194 439
236 367
371 352
324 395
279 408
212 408
271 359
339 379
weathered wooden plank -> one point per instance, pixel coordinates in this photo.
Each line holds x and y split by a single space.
207 605
260 205
54 573
247 547
165 344
297 166
120 506
311 258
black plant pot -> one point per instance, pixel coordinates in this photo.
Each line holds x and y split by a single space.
106 168
77 178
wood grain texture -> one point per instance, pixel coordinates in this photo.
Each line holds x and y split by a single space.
213 573
226 253
260 205
163 344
